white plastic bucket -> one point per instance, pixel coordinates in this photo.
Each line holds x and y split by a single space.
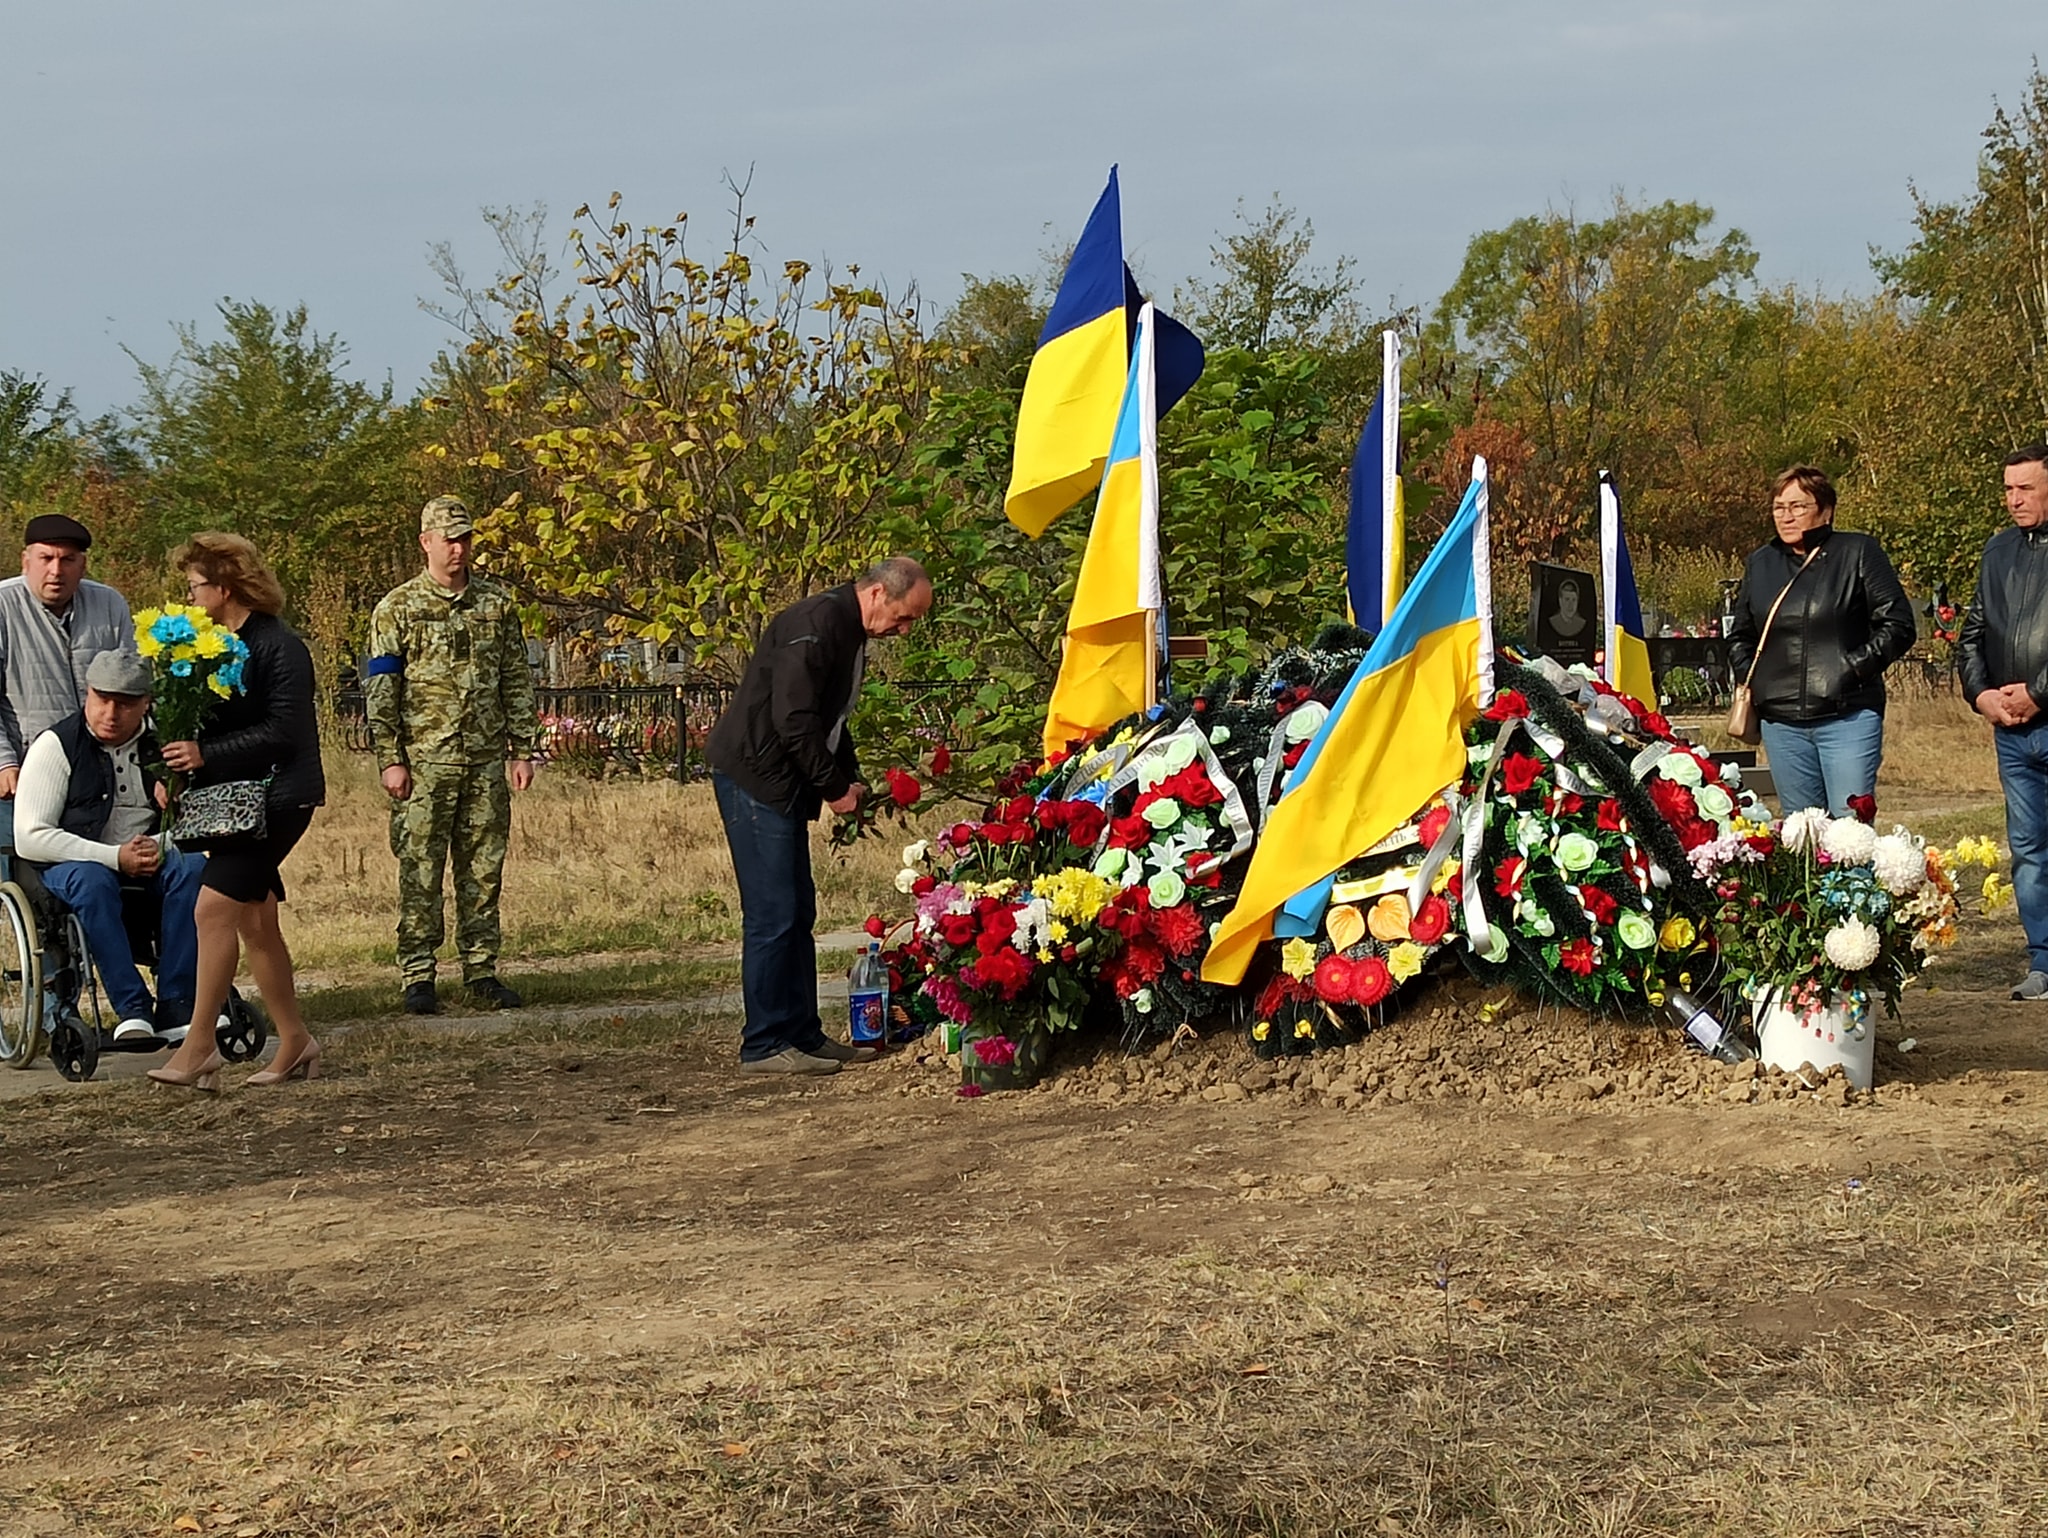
1837 1035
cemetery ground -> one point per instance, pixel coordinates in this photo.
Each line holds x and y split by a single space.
1489 1271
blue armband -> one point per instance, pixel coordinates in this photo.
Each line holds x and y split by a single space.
379 667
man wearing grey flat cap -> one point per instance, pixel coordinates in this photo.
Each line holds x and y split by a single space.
53 621
84 810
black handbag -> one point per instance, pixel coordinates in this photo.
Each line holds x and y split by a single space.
233 811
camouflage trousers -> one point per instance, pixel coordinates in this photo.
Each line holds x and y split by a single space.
458 815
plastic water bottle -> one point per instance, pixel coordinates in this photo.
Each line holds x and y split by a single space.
867 997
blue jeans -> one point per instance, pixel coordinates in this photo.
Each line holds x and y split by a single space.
771 856
1824 763
94 893
2023 772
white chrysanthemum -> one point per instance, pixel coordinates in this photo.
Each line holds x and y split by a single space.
1852 945
1802 830
906 878
1900 866
1849 842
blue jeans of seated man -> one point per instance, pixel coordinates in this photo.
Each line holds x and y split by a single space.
2023 772
93 892
1824 763
771 856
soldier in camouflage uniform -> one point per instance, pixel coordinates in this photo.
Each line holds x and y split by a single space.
450 703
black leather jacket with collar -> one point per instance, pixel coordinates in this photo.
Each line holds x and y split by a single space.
1845 620
2005 631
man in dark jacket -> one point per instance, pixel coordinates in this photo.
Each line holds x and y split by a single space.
2003 659
779 754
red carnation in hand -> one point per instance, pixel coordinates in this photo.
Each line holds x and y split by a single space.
1600 904
1577 956
1333 980
1371 981
1518 772
903 789
1431 922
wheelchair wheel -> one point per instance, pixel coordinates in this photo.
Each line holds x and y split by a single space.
87 1005
74 1048
21 979
241 1040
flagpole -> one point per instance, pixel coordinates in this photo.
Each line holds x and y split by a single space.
1151 593
1393 537
1610 534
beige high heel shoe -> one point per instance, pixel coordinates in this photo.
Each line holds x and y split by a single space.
205 1078
305 1066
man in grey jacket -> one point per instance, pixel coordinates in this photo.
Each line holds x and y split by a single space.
53 622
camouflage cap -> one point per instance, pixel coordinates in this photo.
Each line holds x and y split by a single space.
446 516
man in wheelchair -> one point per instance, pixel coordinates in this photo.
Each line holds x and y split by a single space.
82 816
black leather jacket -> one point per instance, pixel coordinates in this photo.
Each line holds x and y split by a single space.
270 728
1839 628
2005 632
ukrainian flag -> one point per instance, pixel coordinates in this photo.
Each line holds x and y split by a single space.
1375 539
1076 384
1108 669
1628 653
1395 737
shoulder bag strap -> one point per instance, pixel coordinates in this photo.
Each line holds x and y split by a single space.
1764 634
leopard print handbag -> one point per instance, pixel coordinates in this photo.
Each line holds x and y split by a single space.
230 812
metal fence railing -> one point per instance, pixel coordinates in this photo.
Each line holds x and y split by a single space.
650 728
1925 672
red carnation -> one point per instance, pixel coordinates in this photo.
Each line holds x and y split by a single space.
1507 876
1519 772
1333 980
942 759
1293 755
1179 928
1508 705
1673 801
1005 970
1454 889
903 789
1600 904
1371 981
1085 822
1577 956
875 927
960 835
1051 814
1018 809
1654 722
998 832
957 929
1131 832
1863 808
1432 921
1610 818
923 885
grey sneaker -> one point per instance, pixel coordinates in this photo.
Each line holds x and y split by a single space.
840 1052
2033 986
789 1060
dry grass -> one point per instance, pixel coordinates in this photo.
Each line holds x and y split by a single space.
595 866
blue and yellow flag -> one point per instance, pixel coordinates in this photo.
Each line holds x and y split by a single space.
1076 383
1395 737
1375 538
1628 652
1108 669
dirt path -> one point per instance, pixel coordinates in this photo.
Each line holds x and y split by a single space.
478 1283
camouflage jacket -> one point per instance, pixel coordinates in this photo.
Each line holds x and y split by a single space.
447 679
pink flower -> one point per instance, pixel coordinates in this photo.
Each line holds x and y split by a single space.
996 1051
970 1092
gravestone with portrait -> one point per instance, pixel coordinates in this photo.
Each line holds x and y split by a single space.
1564 621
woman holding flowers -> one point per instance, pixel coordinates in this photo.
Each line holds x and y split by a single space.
266 729
1819 617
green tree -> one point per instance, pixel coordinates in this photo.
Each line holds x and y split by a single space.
696 446
258 431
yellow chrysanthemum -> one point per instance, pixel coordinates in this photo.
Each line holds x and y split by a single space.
148 645
1298 959
1405 960
211 642
214 683
183 652
1075 895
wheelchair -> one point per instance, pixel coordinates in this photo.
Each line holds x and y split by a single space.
50 994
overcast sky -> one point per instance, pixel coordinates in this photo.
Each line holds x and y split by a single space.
155 157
